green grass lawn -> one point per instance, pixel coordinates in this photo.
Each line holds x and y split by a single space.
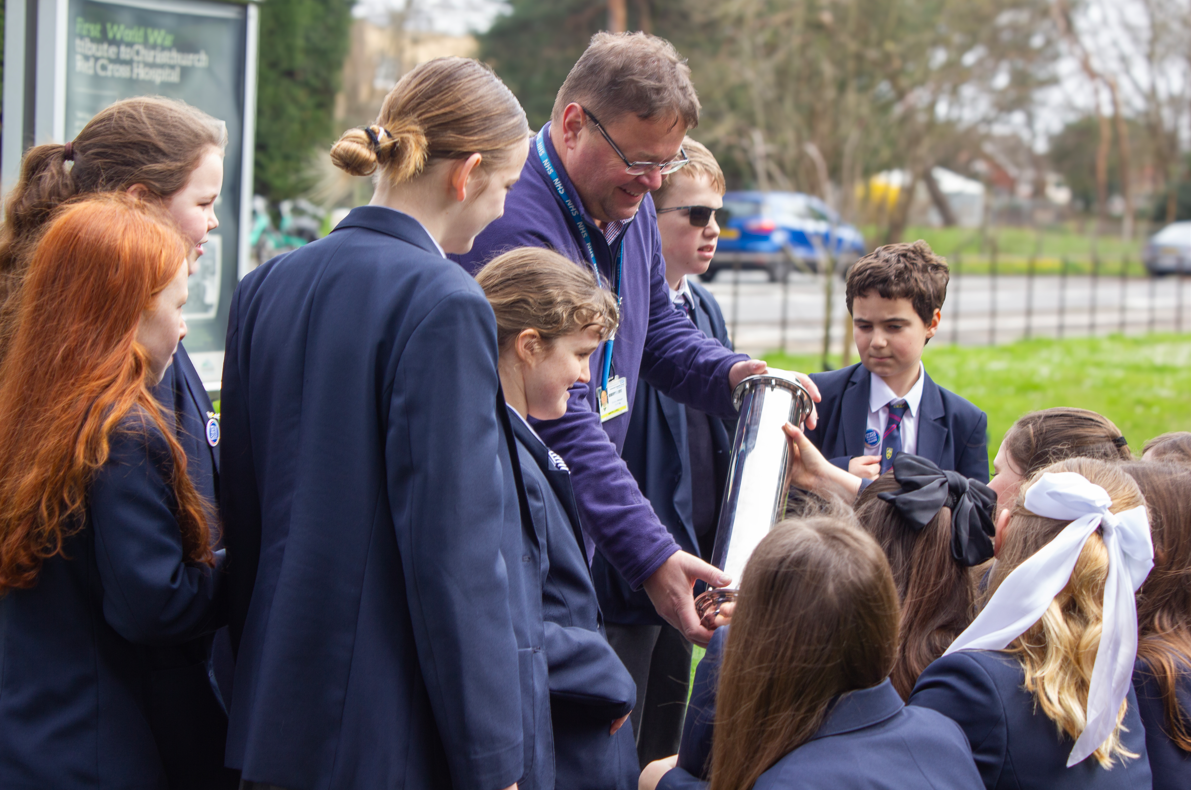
1143 383
1015 247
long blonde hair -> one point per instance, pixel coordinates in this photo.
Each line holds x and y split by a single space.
1058 652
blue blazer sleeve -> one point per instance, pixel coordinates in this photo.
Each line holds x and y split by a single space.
456 579
152 595
973 451
698 729
585 672
959 687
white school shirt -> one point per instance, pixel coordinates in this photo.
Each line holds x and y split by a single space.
676 296
879 398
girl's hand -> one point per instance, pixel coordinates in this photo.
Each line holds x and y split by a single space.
654 772
810 471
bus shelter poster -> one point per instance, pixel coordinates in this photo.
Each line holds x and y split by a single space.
193 51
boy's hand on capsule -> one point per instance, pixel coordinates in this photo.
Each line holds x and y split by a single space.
616 725
866 466
654 772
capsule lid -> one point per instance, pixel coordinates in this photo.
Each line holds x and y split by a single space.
772 378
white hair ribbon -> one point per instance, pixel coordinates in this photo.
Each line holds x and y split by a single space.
1025 594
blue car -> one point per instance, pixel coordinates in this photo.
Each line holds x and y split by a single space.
764 230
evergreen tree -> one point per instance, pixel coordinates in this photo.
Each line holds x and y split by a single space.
302 47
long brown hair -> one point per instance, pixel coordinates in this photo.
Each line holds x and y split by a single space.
147 140
936 592
75 374
1041 438
1164 600
816 617
1058 652
448 108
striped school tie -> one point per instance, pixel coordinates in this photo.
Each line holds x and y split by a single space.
891 443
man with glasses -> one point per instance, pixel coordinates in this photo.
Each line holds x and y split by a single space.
679 457
617 128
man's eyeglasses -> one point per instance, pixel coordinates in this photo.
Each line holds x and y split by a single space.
699 215
640 168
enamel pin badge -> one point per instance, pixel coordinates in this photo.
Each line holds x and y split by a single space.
212 428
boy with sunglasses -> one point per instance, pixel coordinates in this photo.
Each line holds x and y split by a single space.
679 457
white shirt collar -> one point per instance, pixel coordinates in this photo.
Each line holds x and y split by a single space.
880 395
684 289
526 423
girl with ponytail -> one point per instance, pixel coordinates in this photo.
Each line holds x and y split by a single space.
386 603
170 156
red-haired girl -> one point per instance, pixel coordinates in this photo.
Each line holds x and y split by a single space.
105 545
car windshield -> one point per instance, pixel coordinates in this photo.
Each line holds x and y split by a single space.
737 209
1178 233
790 209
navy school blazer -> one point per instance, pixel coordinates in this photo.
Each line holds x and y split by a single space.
589 686
384 633
190 718
951 431
1015 745
869 741
656 453
82 681
1170 765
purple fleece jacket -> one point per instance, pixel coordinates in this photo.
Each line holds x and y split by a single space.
654 341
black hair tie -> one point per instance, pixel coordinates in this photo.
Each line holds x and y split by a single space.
68 152
372 137
1120 441
926 489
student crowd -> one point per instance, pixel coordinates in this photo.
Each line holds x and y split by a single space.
467 471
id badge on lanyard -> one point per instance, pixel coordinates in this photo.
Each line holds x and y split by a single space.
612 395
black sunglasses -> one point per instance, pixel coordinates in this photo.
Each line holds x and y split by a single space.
699 215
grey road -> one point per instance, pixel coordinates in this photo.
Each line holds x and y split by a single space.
977 311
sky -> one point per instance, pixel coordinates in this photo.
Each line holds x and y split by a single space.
1108 27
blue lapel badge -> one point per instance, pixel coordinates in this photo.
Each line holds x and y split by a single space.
212 428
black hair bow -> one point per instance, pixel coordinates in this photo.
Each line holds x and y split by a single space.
926 489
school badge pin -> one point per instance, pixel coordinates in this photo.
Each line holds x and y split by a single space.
212 428
888 453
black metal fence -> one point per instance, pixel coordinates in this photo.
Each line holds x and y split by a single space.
989 301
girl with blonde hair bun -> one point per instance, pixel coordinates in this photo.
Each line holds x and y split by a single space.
1041 680
382 597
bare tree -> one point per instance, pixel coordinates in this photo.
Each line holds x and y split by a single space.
1151 51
